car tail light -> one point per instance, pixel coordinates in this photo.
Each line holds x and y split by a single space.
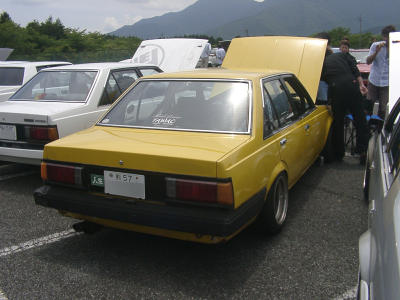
41 133
61 173
199 191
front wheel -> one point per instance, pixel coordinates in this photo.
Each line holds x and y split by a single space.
273 214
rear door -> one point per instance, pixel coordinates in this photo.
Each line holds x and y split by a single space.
291 133
312 124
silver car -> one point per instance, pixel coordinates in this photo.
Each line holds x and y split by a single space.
379 252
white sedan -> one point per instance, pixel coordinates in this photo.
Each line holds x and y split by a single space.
59 101
13 74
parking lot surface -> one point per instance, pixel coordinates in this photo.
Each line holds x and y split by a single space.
315 256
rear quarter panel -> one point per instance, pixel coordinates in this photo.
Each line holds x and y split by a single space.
255 164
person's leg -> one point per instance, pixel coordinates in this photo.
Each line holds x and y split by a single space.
383 96
338 110
355 101
372 94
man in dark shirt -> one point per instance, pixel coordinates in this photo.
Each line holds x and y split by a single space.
345 91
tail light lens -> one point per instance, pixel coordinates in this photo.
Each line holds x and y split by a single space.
199 191
41 133
61 173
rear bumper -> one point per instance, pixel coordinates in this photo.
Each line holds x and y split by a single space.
189 219
23 156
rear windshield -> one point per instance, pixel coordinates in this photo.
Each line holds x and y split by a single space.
11 76
64 86
217 106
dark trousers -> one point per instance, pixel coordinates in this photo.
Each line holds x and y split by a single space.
346 98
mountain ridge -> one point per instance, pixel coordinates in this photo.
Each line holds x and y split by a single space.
230 18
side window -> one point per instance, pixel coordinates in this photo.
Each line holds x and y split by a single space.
146 72
299 97
270 120
117 83
392 120
394 150
280 101
111 92
392 131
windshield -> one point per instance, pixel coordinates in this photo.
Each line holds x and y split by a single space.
218 106
65 86
11 76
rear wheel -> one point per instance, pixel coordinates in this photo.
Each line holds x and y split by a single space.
274 211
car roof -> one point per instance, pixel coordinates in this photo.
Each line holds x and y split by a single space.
32 63
217 73
100 66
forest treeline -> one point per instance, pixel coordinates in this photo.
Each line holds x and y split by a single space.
51 40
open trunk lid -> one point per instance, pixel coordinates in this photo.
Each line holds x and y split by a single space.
301 56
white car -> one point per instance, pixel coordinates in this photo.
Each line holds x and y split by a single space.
59 101
13 74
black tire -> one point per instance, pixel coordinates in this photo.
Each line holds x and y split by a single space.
328 153
273 214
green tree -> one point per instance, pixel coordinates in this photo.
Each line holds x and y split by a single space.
5 17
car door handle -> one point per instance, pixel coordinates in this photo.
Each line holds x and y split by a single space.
283 141
307 127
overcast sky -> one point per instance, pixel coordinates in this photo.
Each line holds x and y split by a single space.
93 15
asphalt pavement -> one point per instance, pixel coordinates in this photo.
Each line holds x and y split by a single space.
315 256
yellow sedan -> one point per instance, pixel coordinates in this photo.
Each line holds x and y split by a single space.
197 155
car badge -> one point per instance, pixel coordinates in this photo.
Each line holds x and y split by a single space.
121 162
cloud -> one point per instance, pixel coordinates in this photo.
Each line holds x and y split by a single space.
112 23
92 15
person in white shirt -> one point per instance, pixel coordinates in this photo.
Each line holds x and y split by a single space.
378 80
204 56
220 54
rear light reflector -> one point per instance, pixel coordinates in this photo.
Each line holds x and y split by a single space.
61 173
40 133
199 191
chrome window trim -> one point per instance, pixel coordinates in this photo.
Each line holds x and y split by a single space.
250 99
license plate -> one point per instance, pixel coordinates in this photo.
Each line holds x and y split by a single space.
8 132
124 184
